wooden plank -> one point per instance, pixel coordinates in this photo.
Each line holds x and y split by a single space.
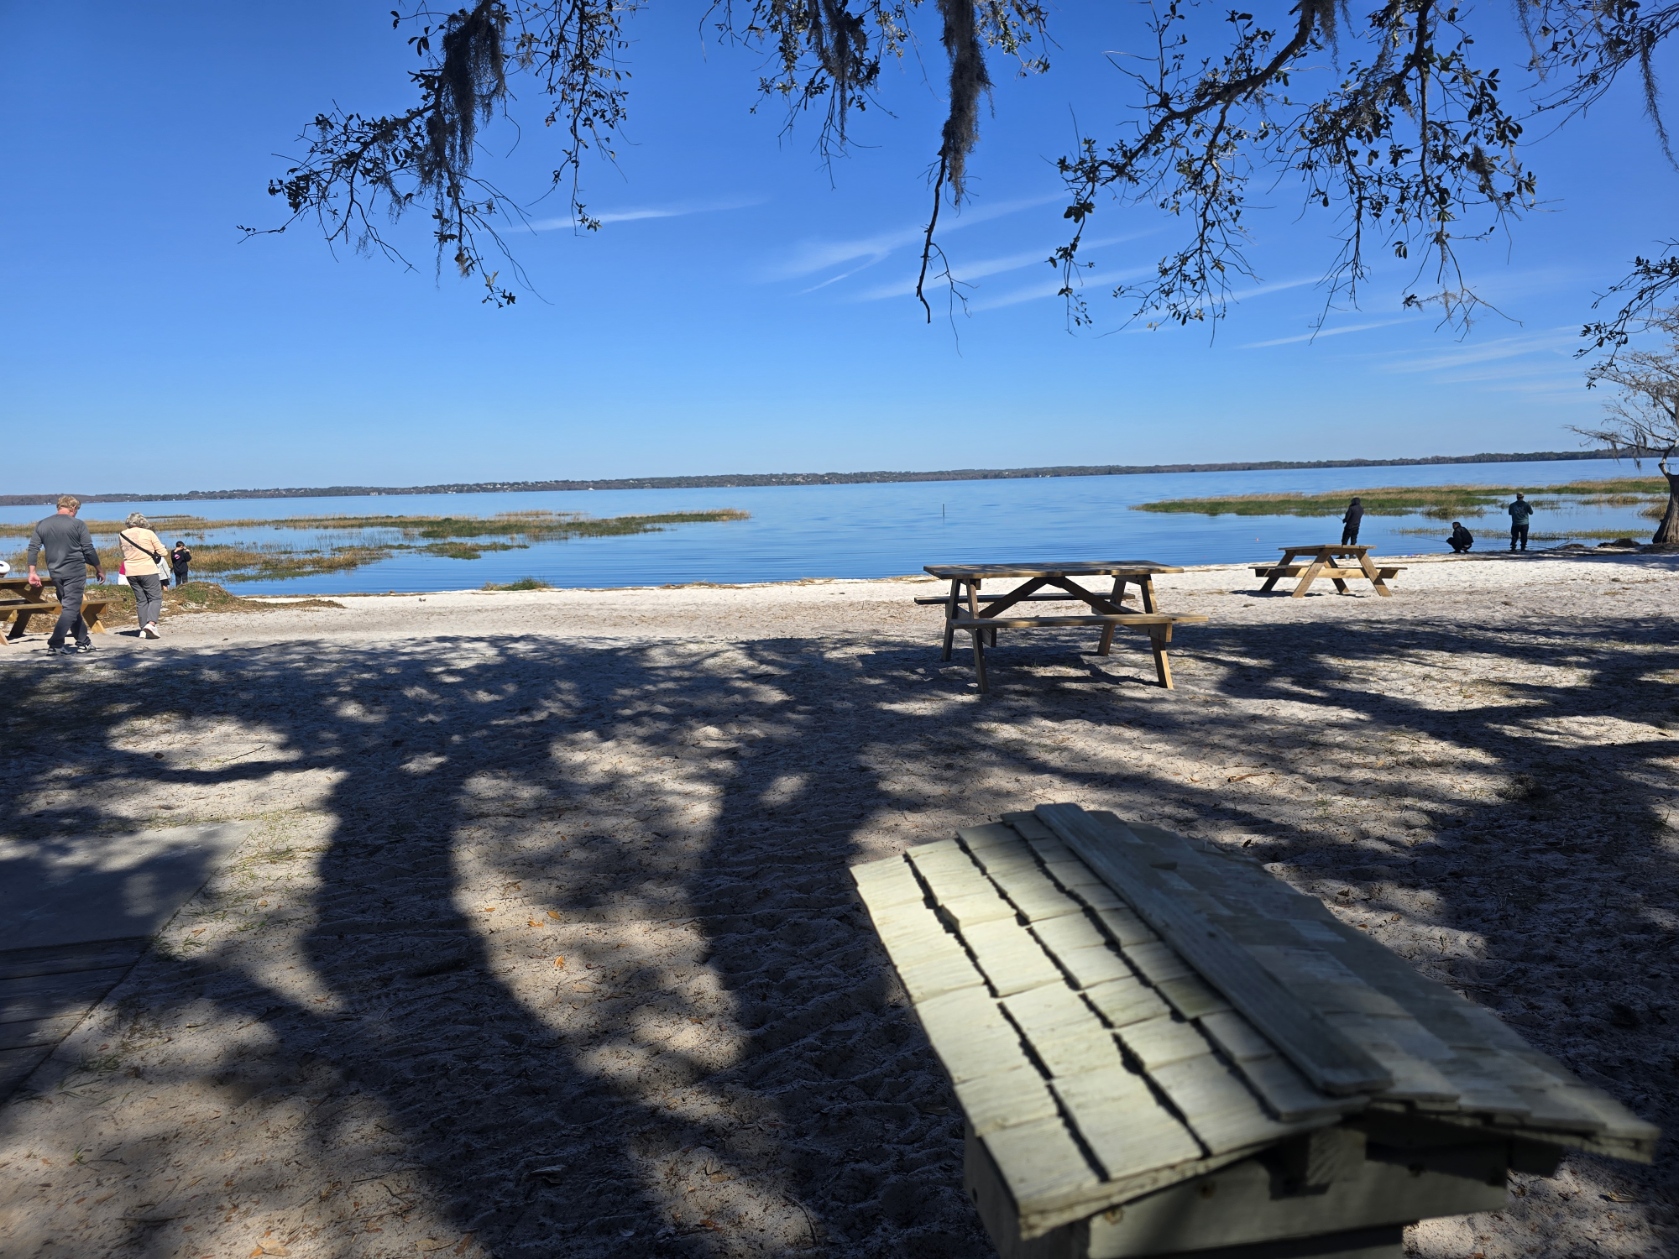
1236 1037
1071 873
1094 966
1192 998
1132 619
1100 898
1125 1127
1158 962
968 911
1052 852
1032 892
883 883
1126 1001
1325 1055
1287 1094
1218 1107
978 1051
1028 826
951 883
935 976
1070 568
1010 958
990 835
1157 1042
1124 926
1049 1011
32 1032
999 1099
1069 932
1076 1051
1041 1164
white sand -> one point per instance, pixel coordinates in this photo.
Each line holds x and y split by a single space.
359 1039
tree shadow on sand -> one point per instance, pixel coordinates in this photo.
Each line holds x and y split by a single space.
724 1063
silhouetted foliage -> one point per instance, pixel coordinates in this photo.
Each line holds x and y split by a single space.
1409 141
1643 419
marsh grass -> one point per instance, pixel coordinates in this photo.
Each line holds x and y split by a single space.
197 596
342 543
1439 502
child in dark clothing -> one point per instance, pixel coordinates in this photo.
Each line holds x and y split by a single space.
1350 523
179 558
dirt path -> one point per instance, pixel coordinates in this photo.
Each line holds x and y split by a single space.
544 944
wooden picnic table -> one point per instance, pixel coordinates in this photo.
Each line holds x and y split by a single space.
980 615
19 602
1322 564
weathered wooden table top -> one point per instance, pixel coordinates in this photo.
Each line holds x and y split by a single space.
1079 568
1061 1000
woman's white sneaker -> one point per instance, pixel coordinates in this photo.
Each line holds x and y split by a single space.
150 631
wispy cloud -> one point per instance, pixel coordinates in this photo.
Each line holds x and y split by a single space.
814 257
1052 287
1326 332
647 212
966 271
1552 343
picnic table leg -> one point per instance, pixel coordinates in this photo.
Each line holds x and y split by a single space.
978 633
20 623
1329 569
1158 637
1117 597
96 623
1307 578
1375 576
973 611
1288 558
950 616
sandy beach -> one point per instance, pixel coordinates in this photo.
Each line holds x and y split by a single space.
543 942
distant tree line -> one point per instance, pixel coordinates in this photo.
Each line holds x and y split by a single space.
748 479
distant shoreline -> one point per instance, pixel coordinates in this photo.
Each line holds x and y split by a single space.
754 480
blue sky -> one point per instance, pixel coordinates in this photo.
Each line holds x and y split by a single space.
744 309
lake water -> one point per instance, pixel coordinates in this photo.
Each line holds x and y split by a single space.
889 529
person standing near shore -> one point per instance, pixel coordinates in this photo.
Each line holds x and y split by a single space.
1521 511
142 552
69 553
179 558
1350 523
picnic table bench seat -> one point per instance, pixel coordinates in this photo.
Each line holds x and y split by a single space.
1159 1047
20 614
1294 570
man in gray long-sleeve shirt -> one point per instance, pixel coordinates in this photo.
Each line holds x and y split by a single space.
69 554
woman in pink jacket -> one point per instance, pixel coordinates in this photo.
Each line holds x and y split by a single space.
142 552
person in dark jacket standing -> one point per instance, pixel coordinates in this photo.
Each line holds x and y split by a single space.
69 554
179 558
1521 511
1350 523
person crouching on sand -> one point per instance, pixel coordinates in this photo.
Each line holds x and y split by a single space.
142 552
1350 523
1461 539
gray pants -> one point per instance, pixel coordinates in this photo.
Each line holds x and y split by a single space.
148 596
70 590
